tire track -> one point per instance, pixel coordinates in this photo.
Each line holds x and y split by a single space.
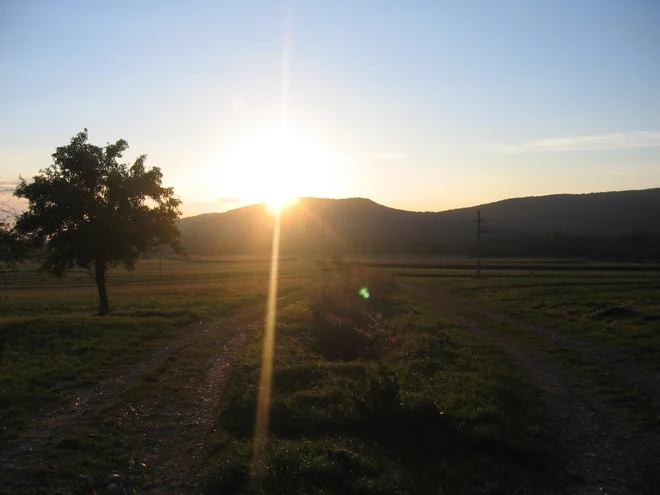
602 452
45 429
178 456
631 370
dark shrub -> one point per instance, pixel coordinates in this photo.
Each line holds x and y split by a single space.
341 338
347 315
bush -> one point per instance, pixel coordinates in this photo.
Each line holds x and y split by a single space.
357 294
342 338
347 315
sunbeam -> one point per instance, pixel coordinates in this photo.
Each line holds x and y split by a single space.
265 381
257 468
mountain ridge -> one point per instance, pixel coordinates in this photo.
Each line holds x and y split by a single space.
360 225
554 195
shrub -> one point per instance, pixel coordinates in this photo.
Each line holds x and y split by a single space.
347 315
339 337
355 294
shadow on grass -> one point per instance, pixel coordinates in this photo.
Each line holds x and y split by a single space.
333 429
433 411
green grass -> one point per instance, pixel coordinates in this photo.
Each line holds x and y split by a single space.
593 324
51 341
377 395
595 345
148 272
621 313
437 411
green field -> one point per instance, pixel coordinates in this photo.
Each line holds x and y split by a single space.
522 381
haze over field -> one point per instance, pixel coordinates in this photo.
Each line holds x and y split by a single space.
417 105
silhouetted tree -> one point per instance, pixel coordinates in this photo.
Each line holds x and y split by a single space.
93 212
8 237
6 243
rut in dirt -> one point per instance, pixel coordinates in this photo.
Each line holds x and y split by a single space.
88 399
174 432
178 455
629 369
600 451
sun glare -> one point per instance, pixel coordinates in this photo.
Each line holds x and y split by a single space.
278 203
276 167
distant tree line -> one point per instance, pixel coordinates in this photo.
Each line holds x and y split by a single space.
627 247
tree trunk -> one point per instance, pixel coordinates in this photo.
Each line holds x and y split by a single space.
100 272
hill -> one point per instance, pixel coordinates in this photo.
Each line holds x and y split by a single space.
605 224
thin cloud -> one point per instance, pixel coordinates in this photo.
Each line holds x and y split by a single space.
392 156
8 184
622 173
595 142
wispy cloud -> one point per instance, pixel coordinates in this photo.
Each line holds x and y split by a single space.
8 184
230 199
622 173
594 142
392 156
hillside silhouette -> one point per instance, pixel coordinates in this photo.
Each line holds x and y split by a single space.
611 225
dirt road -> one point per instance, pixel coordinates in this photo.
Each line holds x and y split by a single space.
603 449
164 406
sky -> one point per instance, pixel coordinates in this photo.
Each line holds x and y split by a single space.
419 105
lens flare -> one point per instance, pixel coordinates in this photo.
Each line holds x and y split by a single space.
257 465
265 382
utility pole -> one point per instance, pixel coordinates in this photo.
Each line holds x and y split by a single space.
480 231
323 214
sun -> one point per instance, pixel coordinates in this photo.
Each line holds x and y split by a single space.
278 202
276 166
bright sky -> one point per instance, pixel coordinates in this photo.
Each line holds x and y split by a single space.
422 105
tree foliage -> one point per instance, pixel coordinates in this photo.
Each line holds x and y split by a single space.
91 211
9 242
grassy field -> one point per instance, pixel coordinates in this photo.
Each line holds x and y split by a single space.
52 341
392 378
615 310
407 404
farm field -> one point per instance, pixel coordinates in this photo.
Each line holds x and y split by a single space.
370 248
62 364
387 379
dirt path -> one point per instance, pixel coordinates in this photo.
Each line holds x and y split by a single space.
168 429
600 450
631 370
177 426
